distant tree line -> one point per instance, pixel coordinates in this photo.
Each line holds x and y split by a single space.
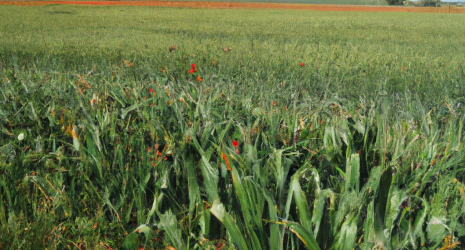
422 3
395 2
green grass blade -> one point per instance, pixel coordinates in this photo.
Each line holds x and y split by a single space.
305 236
219 212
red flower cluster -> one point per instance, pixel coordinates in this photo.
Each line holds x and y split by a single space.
193 69
149 149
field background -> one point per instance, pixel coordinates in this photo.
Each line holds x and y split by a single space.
340 2
349 6
363 142
343 2
359 51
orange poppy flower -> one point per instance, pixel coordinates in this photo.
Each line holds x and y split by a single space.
128 64
199 79
226 160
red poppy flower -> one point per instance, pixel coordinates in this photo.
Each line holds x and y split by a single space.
302 64
194 67
191 71
235 145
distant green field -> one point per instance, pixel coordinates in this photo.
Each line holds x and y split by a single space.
340 2
358 51
170 128
343 2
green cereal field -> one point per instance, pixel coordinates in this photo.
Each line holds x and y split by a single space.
172 128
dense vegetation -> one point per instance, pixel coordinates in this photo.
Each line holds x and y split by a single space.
123 120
